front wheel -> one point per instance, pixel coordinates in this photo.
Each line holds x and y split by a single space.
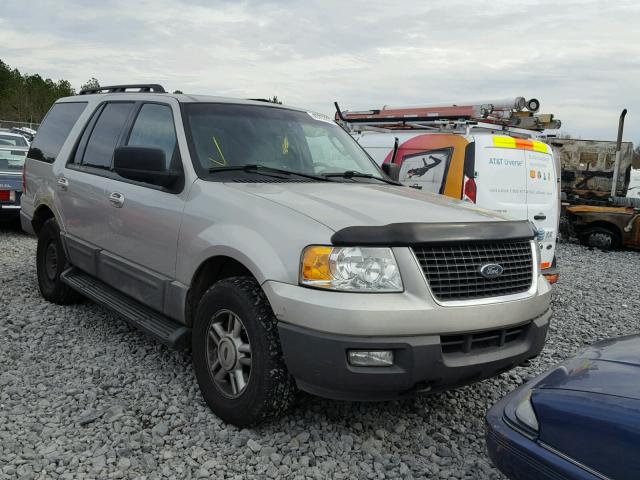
237 356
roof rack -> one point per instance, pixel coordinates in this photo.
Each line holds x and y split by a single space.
139 87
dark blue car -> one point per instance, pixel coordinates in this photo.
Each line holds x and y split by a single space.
11 163
580 420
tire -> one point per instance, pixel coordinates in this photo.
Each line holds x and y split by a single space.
600 237
51 261
220 351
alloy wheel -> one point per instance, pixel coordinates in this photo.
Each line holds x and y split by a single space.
228 353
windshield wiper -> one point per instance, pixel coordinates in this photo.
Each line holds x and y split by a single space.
264 170
354 174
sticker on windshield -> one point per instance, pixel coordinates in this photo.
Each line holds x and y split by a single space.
320 117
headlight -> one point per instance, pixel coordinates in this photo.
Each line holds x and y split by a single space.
525 412
353 269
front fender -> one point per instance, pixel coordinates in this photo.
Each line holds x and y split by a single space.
266 237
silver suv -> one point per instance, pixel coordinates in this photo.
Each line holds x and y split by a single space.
266 240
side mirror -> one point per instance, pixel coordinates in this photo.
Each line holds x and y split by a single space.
144 164
392 170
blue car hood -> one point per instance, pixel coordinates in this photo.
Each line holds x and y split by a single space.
611 367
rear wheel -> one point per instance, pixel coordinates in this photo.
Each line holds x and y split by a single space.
600 237
237 356
51 261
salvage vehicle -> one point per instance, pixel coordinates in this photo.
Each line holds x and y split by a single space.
600 186
605 227
264 238
487 154
11 164
580 420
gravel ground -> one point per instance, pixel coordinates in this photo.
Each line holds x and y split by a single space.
83 395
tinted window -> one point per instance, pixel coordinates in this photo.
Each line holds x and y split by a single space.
54 130
154 128
105 135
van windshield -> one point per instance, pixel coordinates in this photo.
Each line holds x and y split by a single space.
224 136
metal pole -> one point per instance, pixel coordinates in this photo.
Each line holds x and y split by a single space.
616 168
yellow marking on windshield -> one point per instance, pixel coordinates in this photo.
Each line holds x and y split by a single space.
285 145
223 160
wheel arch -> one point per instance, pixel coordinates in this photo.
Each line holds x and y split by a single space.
603 224
40 216
210 271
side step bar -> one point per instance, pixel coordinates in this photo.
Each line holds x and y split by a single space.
160 327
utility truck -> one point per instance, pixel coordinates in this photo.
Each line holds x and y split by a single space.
486 153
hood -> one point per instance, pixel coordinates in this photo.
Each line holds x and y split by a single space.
341 205
611 367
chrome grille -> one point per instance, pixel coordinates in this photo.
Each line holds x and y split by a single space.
453 271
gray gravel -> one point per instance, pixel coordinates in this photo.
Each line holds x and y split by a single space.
83 395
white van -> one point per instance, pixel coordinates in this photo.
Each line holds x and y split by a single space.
516 177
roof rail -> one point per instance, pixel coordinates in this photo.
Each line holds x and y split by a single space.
140 87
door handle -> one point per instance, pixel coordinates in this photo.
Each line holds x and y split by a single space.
116 199
540 216
63 183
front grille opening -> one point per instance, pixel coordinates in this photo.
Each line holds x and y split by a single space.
471 342
453 271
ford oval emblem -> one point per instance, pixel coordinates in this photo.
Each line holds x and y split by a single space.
491 270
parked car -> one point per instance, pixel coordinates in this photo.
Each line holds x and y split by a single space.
26 132
221 224
11 163
579 420
606 227
12 139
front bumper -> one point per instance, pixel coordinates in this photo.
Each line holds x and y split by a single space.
522 458
318 361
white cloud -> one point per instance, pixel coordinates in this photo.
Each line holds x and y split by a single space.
580 58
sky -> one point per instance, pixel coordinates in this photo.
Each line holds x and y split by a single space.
581 59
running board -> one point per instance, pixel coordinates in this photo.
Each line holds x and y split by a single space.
160 327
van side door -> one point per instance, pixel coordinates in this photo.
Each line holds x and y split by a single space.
143 220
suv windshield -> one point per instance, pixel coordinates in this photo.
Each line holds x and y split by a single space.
223 136
12 159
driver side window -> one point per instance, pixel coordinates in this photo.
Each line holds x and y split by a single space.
154 128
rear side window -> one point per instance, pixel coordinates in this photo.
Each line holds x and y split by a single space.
106 135
154 128
54 130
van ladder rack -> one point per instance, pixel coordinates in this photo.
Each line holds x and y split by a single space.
504 114
140 87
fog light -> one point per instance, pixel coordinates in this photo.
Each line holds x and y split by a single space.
373 358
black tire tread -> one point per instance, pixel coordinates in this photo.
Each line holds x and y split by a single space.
587 232
280 388
60 294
